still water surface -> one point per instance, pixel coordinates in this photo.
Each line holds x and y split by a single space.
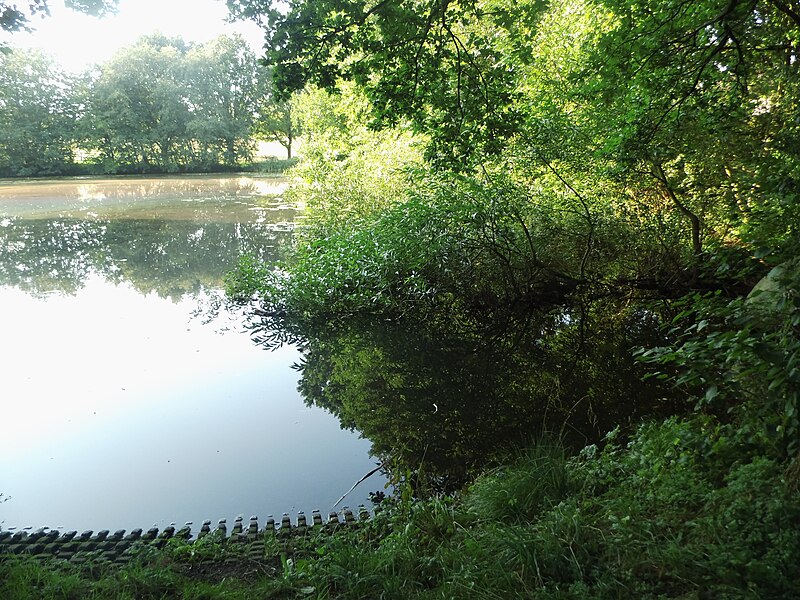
120 407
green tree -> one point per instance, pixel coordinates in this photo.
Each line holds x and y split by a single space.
349 172
276 122
432 62
700 110
165 105
224 86
138 114
37 116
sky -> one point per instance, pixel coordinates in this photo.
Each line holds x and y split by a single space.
77 41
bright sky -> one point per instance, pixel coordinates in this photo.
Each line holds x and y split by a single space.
76 40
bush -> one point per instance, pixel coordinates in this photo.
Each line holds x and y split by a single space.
741 356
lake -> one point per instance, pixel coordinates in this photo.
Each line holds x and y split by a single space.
125 401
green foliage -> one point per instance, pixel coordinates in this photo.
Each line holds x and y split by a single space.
519 492
348 173
202 570
160 105
457 293
276 122
164 105
37 116
681 111
22 579
623 180
741 355
422 61
684 508
699 81
668 511
270 165
16 18
449 243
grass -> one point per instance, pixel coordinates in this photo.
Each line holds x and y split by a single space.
686 508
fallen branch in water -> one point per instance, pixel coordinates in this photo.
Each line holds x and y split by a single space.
376 469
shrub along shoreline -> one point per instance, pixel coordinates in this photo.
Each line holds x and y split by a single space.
267 165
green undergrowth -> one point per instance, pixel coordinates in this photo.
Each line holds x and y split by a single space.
684 508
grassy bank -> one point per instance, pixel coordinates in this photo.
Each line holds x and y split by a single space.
682 509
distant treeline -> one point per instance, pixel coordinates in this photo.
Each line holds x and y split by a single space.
161 105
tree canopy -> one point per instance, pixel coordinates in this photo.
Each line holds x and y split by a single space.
691 107
160 105
598 174
37 117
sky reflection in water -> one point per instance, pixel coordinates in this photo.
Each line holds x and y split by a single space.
119 409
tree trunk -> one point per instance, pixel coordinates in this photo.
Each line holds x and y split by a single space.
697 245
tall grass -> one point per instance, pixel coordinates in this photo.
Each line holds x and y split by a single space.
518 492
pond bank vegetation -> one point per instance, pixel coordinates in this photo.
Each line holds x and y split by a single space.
557 288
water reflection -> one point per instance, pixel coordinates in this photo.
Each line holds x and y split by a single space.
119 408
119 412
443 403
189 197
175 240
171 258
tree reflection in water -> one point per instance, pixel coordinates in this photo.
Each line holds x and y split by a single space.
171 258
438 405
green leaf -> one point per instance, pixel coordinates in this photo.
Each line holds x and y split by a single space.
711 393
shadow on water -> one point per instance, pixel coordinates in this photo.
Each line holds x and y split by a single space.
440 404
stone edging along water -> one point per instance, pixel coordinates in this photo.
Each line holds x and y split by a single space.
116 547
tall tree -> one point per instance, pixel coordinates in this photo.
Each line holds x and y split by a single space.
704 112
225 84
165 105
276 122
140 116
37 115
436 62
